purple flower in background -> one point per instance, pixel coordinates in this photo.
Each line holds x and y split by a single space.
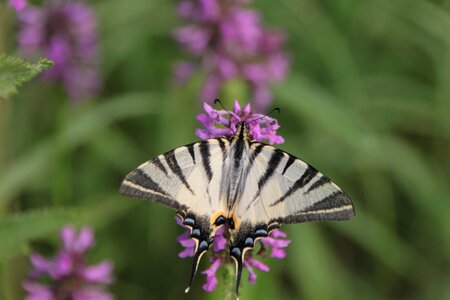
65 32
18 5
276 242
261 127
67 276
229 42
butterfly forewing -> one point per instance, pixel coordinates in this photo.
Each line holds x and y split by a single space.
185 179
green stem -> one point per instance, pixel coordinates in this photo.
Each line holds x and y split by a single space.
229 282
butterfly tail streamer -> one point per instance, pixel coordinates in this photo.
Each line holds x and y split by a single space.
238 256
197 257
239 264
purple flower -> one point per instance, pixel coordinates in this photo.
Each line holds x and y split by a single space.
182 70
261 127
229 42
186 241
211 279
18 5
251 263
67 276
65 32
276 242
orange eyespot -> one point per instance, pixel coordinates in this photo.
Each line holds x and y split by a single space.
219 218
216 217
236 221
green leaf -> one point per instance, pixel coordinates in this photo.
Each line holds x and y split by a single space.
14 71
17 230
80 127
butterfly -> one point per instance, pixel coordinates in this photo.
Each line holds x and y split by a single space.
248 186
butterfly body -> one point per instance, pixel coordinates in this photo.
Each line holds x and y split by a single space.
248 186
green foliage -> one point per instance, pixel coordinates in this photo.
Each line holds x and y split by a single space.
15 71
18 229
79 127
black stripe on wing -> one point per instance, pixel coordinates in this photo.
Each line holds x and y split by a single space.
321 182
334 207
288 163
306 177
335 200
255 152
139 177
223 144
176 169
157 162
272 165
205 154
191 150
140 185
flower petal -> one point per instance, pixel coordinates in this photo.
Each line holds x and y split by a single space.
250 262
84 241
36 291
18 5
251 273
219 123
220 241
187 242
211 279
258 264
100 273
40 264
64 264
67 235
277 233
91 294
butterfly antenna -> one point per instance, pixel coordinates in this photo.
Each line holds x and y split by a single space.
276 109
217 101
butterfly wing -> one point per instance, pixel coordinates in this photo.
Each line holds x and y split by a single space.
187 179
280 188
285 189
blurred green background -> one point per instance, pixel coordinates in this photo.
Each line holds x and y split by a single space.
367 102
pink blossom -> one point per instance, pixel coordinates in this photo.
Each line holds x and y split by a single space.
277 242
223 123
69 266
66 33
229 41
211 279
18 5
249 263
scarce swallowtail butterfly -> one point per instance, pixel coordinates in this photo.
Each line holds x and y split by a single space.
248 186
